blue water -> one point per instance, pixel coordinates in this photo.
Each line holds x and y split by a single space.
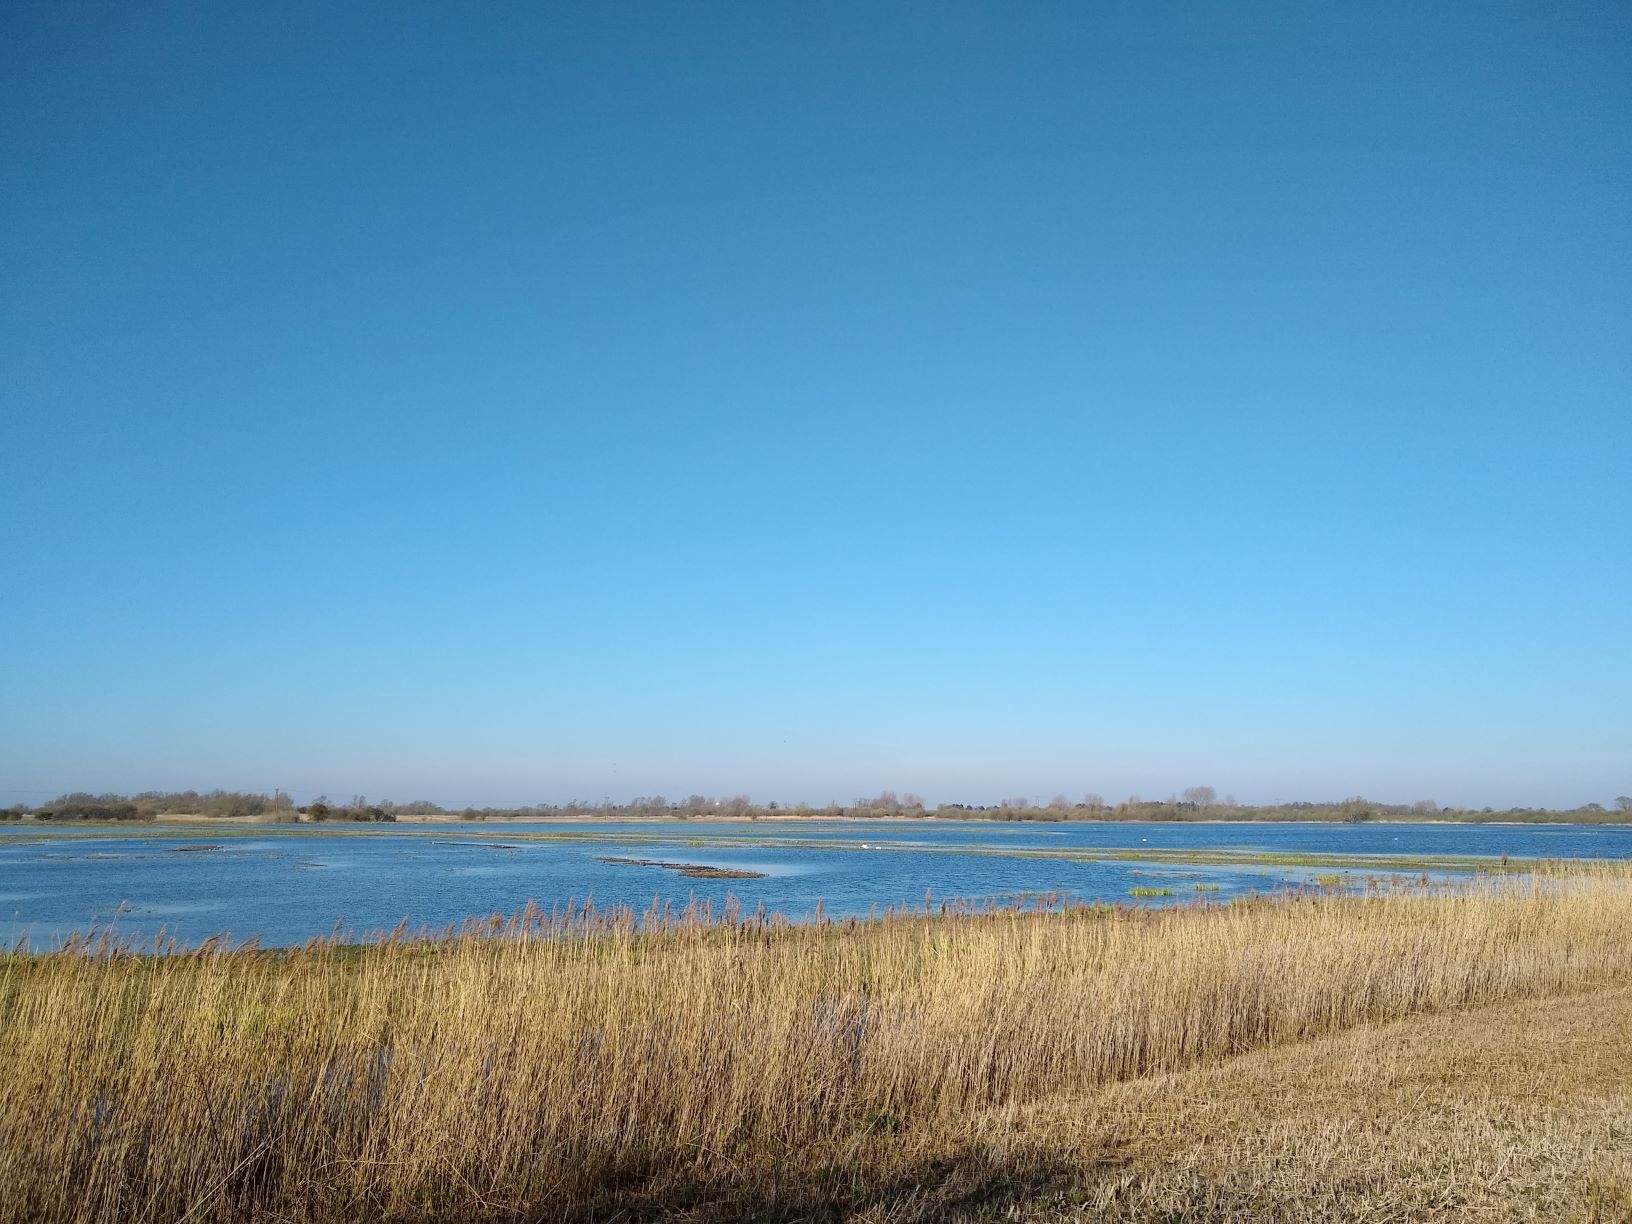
285 885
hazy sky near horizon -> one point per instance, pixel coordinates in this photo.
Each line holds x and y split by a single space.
523 402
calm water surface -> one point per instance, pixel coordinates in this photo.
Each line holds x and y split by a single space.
287 884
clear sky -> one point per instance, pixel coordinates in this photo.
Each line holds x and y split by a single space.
520 402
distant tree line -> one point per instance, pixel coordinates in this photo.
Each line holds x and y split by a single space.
82 805
1194 803
1191 804
360 809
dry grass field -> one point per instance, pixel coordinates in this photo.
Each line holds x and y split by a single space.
1402 1055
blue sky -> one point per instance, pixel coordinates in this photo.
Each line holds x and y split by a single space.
531 402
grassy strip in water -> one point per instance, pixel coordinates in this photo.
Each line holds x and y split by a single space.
1203 857
691 871
1399 863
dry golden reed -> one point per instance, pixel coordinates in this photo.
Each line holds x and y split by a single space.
542 1066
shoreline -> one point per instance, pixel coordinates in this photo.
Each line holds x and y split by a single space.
180 819
1143 1060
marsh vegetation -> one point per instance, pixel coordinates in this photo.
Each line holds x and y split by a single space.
690 871
726 1064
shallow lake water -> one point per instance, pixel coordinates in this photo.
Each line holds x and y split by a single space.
286 884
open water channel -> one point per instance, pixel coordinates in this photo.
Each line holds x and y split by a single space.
285 884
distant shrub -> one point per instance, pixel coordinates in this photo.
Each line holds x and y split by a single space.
91 807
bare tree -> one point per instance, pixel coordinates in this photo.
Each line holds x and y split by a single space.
1201 796
1096 802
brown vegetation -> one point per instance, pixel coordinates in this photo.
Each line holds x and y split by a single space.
691 871
923 1066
